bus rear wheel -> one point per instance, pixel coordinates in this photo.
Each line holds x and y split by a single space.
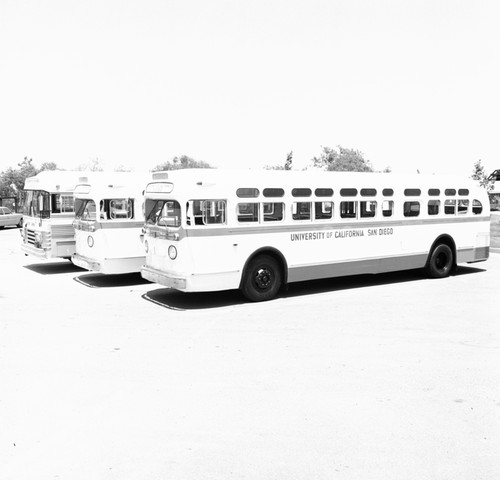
440 263
262 280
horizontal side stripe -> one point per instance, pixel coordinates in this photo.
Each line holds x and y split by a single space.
309 227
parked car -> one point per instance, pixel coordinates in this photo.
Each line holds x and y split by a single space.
10 219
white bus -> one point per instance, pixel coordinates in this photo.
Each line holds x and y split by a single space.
210 230
48 212
109 217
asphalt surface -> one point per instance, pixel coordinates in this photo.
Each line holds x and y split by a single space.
393 376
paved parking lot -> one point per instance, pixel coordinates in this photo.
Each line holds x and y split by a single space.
375 377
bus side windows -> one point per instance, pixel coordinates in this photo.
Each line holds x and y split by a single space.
463 207
62 203
323 210
348 209
206 212
67 203
450 207
214 212
56 203
120 209
411 209
273 212
387 208
433 207
367 209
477 207
197 212
301 210
248 212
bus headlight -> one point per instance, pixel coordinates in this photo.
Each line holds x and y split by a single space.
38 239
90 241
172 252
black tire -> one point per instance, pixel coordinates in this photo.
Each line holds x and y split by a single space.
20 224
440 263
263 279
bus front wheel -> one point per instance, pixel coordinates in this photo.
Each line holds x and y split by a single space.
440 262
262 279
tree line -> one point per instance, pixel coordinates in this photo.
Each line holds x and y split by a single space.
339 159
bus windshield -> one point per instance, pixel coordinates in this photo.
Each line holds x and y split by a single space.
85 209
36 203
164 213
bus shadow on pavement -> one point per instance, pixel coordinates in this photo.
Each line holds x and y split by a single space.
365 280
99 280
53 268
176 300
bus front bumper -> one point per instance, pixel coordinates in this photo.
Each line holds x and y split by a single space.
157 276
86 263
35 252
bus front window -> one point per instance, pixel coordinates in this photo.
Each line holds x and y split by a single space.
164 213
85 210
37 203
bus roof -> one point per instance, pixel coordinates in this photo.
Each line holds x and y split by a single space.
53 181
194 179
109 183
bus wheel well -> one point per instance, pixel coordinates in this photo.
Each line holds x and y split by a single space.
442 258
272 252
446 240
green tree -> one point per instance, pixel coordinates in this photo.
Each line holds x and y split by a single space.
480 176
286 166
12 180
342 159
49 166
93 165
122 168
178 163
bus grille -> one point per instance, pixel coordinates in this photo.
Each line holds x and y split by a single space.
30 236
31 239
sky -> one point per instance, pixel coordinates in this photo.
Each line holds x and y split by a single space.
412 84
